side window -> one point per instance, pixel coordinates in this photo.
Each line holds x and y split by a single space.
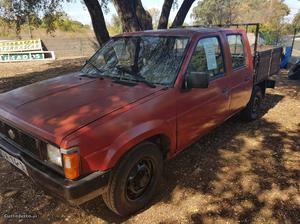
207 57
237 50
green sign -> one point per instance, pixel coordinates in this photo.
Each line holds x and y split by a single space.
21 45
22 56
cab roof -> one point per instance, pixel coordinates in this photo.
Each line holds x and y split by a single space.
188 32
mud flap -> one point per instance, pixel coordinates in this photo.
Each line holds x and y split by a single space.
270 83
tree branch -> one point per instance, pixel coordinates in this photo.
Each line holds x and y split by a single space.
182 12
98 20
165 13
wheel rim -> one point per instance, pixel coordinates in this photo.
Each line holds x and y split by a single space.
139 179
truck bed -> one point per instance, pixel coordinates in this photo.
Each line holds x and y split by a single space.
267 64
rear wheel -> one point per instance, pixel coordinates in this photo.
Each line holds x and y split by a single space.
294 73
252 110
135 179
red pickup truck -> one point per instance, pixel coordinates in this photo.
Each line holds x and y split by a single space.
140 100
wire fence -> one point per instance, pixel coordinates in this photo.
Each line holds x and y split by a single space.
71 47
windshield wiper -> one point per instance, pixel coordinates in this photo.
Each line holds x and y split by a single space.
136 76
94 66
143 80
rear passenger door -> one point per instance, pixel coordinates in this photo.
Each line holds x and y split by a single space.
241 73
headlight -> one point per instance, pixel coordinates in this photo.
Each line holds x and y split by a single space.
54 155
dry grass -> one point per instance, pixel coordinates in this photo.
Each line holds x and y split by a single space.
239 173
16 74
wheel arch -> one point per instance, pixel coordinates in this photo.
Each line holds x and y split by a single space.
158 132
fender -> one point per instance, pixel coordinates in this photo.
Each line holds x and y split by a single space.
108 158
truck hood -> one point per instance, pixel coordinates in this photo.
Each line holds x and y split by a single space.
64 104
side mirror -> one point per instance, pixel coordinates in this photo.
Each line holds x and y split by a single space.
197 80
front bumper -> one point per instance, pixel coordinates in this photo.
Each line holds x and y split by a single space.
75 192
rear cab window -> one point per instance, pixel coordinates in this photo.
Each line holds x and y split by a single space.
237 50
208 57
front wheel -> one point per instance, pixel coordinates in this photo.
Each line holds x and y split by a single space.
252 110
135 179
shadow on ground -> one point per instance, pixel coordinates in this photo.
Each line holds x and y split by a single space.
231 174
9 82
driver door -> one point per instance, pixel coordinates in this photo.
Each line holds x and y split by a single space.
199 110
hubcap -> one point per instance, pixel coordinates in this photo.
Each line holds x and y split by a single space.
139 179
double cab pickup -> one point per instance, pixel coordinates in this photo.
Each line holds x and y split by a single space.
139 100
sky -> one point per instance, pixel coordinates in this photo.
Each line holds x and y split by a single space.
76 10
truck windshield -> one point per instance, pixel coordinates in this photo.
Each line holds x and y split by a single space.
151 59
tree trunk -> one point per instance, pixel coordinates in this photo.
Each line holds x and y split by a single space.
133 15
165 13
98 21
18 26
144 17
182 12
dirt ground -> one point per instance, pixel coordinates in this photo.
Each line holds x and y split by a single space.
239 173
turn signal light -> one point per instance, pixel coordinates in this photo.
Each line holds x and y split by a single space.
72 165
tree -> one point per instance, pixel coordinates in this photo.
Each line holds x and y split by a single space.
98 21
65 24
18 12
131 13
134 17
165 13
214 12
182 12
270 13
274 20
296 20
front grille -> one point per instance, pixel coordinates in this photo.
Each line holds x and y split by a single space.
29 144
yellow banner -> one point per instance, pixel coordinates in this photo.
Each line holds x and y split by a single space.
21 45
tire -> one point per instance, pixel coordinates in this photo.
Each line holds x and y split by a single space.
251 112
294 73
135 179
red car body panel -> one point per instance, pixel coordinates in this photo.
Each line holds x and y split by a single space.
63 105
107 119
242 79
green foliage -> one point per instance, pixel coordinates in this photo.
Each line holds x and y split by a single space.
270 13
61 22
296 21
115 27
30 12
275 36
50 22
68 25
4 27
212 12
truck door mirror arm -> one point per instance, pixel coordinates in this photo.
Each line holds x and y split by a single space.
196 80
